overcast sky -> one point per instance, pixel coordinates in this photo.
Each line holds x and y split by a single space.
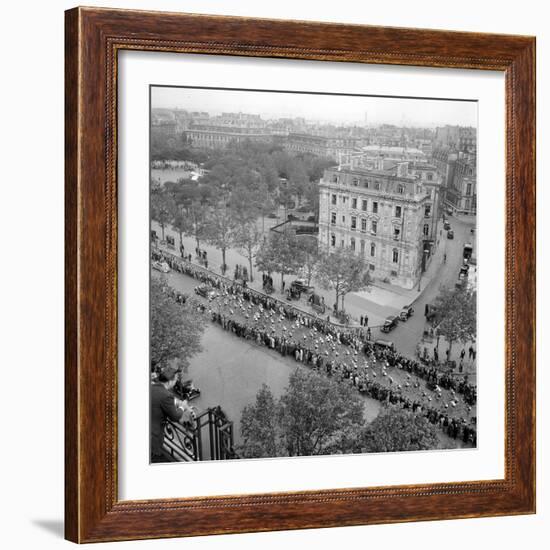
320 107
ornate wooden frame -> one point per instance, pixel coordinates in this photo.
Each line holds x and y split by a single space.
93 38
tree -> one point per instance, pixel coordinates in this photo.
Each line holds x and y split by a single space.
315 415
311 196
176 330
356 275
259 428
163 209
220 228
308 251
248 237
455 315
180 224
197 221
279 253
396 429
342 271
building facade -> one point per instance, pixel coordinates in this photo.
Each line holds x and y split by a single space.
461 196
219 131
460 138
334 147
380 216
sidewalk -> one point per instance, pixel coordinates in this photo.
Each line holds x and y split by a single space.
356 306
377 302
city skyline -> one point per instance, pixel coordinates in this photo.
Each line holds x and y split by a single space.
335 108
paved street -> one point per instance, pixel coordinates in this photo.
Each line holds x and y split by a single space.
230 370
410 388
377 302
407 335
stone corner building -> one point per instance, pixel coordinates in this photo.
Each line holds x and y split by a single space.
387 216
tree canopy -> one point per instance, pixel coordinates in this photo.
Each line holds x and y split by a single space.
455 314
396 429
315 415
279 254
343 271
176 330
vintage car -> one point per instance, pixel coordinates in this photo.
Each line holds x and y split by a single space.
446 225
384 344
406 312
467 251
301 285
206 291
389 324
163 267
450 234
186 390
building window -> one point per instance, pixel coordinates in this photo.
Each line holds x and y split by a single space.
333 218
426 230
371 267
344 200
396 232
364 206
362 248
333 199
373 227
372 249
377 185
400 189
430 176
375 208
335 179
333 240
469 189
364 225
427 210
354 203
395 256
352 244
353 223
342 244
344 219
397 211
355 182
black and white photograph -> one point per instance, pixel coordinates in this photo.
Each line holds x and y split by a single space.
313 281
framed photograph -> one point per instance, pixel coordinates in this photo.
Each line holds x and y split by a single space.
300 275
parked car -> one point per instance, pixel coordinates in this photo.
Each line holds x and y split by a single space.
186 390
464 270
163 267
384 344
389 324
406 312
206 291
467 251
301 286
450 234
446 225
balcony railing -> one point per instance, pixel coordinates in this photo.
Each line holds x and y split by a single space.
208 437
